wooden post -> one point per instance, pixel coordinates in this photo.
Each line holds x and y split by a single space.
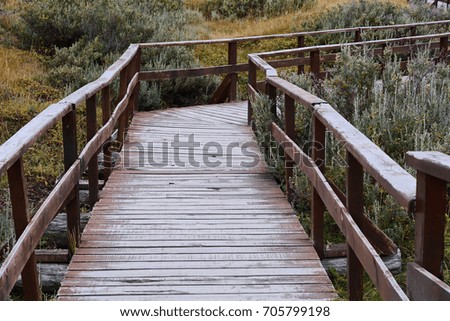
271 92
91 118
232 60
21 217
252 83
317 205
430 222
137 69
358 37
106 114
69 122
355 206
315 63
289 123
443 45
301 44
122 92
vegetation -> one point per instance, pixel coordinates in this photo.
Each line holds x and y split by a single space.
79 39
238 9
65 44
398 110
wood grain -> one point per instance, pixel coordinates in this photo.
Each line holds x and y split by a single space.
194 232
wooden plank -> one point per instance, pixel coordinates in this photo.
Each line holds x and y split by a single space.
190 227
299 95
432 163
206 297
188 280
191 72
225 257
192 250
424 286
339 46
195 290
52 256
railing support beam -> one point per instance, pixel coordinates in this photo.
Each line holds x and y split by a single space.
70 155
21 217
91 119
232 60
289 123
355 206
317 205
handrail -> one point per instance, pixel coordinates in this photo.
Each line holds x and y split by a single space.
289 35
350 44
368 256
362 154
18 144
127 67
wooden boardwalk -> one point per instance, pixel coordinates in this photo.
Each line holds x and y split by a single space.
208 223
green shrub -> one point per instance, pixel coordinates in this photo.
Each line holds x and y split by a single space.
372 13
236 9
81 38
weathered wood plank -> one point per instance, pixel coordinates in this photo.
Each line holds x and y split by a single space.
223 229
424 286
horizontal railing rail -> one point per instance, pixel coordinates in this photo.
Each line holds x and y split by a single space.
127 69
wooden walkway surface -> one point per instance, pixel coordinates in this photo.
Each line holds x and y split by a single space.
214 228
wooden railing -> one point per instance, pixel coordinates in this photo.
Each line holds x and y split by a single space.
364 239
29 230
425 274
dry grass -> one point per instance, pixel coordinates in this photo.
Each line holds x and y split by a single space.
16 66
285 23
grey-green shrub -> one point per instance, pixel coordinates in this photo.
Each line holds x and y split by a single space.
372 13
236 9
81 38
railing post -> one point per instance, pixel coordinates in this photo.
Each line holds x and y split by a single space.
137 69
317 206
69 123
433 173
21 216
122 92
355 206
232 60
252 83
289 123
358 37
106 114
430 222
315 63
271 92
301 44
443 45
91 118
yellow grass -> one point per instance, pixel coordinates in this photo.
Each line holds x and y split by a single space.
285 23
17 65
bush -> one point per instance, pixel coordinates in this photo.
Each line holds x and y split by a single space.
236 9
81 38
372 13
